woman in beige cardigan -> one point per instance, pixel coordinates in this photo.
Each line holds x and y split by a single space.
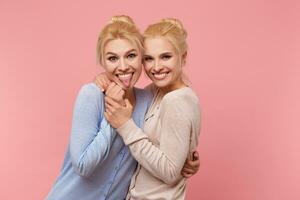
172 123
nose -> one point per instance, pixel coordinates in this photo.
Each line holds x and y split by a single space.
157 66
123 65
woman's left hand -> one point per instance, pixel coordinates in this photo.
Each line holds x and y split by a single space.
102 81
191 166
117 114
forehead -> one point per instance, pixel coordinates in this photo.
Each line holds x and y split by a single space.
119 46
158 45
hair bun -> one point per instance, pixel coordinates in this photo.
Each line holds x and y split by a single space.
122 18
174 22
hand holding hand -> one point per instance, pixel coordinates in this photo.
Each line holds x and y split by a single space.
115 92
117 114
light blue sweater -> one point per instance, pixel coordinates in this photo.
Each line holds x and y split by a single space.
97 164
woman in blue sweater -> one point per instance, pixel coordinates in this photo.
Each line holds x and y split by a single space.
97 164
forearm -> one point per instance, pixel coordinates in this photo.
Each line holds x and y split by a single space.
158 161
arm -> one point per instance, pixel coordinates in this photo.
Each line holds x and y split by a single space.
90 142
166 161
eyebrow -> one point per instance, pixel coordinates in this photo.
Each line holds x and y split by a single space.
125 52
131 50
166 53
110 53
159 54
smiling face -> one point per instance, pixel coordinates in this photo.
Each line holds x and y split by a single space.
122 62
162 63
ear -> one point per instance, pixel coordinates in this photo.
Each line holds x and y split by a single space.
183 58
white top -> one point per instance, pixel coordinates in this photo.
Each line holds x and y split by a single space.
171 130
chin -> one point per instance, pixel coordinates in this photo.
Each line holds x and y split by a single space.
160 84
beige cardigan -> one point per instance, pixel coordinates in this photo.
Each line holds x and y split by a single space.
171 130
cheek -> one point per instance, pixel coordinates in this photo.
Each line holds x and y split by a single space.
147 67
172 63
110 67
137 65
177 71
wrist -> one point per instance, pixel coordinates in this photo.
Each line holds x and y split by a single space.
123 122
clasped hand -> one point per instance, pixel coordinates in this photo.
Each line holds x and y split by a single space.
117 109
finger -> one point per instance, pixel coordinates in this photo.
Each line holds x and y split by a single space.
105 84
99 84
111 102
193 164
121 93
120 97
190 165
117 89
119 84
102 80
195 155
109 108
109 113
188 170
106 79
186 175
110 87
114 91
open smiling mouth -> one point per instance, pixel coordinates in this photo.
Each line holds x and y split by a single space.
125 78
160 76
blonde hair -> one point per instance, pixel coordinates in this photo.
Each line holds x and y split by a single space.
119 27
173 30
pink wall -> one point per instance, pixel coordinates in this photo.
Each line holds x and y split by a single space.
244 62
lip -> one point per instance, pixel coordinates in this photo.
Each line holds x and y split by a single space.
160 76
125 75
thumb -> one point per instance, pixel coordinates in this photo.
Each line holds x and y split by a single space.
195 155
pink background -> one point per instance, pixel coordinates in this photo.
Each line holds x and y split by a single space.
244 63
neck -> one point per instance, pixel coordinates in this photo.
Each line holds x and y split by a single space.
175 86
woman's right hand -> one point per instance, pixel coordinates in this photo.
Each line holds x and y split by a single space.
191 165
102 81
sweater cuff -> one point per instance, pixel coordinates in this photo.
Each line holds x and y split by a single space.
130 132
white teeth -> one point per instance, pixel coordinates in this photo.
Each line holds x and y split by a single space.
125 76
160 76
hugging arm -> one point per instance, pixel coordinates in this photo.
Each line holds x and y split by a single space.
165 162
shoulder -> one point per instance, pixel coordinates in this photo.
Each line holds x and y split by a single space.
183 100
89 93
90 90
180 96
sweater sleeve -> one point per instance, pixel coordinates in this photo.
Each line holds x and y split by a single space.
166 161
91 135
